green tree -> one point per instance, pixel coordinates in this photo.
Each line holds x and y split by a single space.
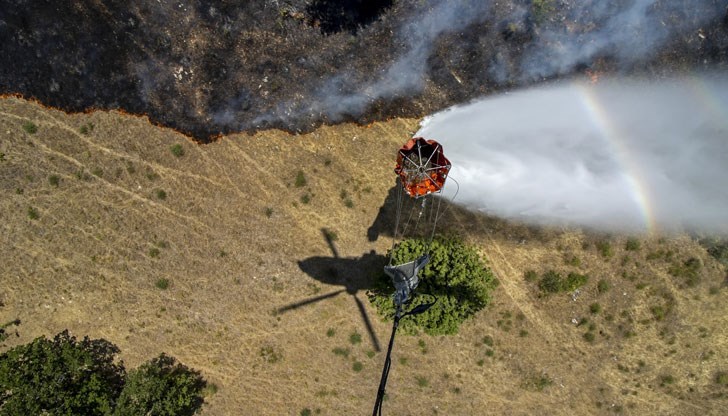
160 387
62 376
456 275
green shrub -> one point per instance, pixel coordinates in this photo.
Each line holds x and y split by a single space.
666 380
3 333
550 282
722 378
268 212
330 332
572 261
162 283
604 248
33 213
357 366
30 127
355 338
209 390
342 352
658 312
330 234
151 175
632 244
537 382
689 271
595 308
553 282
574 281
456 275
66 376
177 150
270 354
161 194
86 128
300 180
54 180
602 286
530 276
161 386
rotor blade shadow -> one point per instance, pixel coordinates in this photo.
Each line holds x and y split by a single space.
368 324
297 305
330 236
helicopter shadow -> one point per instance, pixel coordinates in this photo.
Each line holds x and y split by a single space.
354 274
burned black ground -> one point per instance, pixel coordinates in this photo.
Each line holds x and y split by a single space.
215 67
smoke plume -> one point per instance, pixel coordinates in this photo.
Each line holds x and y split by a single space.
346 95
626 32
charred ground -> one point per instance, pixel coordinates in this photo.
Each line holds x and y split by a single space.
206 68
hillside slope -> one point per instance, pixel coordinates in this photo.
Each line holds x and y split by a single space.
97 210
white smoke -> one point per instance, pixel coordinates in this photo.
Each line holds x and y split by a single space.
563 35
628 32
343 95
622 154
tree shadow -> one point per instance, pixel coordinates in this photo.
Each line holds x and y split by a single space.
354 274
334 16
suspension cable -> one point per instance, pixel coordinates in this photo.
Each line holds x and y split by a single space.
387 364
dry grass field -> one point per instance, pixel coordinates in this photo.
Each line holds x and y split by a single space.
118 229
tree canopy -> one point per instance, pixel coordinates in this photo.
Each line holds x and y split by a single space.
64 376
456 275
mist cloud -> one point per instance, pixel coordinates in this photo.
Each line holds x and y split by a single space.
623 154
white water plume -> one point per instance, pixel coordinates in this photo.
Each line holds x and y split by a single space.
622 154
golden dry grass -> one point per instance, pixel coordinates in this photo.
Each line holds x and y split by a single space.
231 230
